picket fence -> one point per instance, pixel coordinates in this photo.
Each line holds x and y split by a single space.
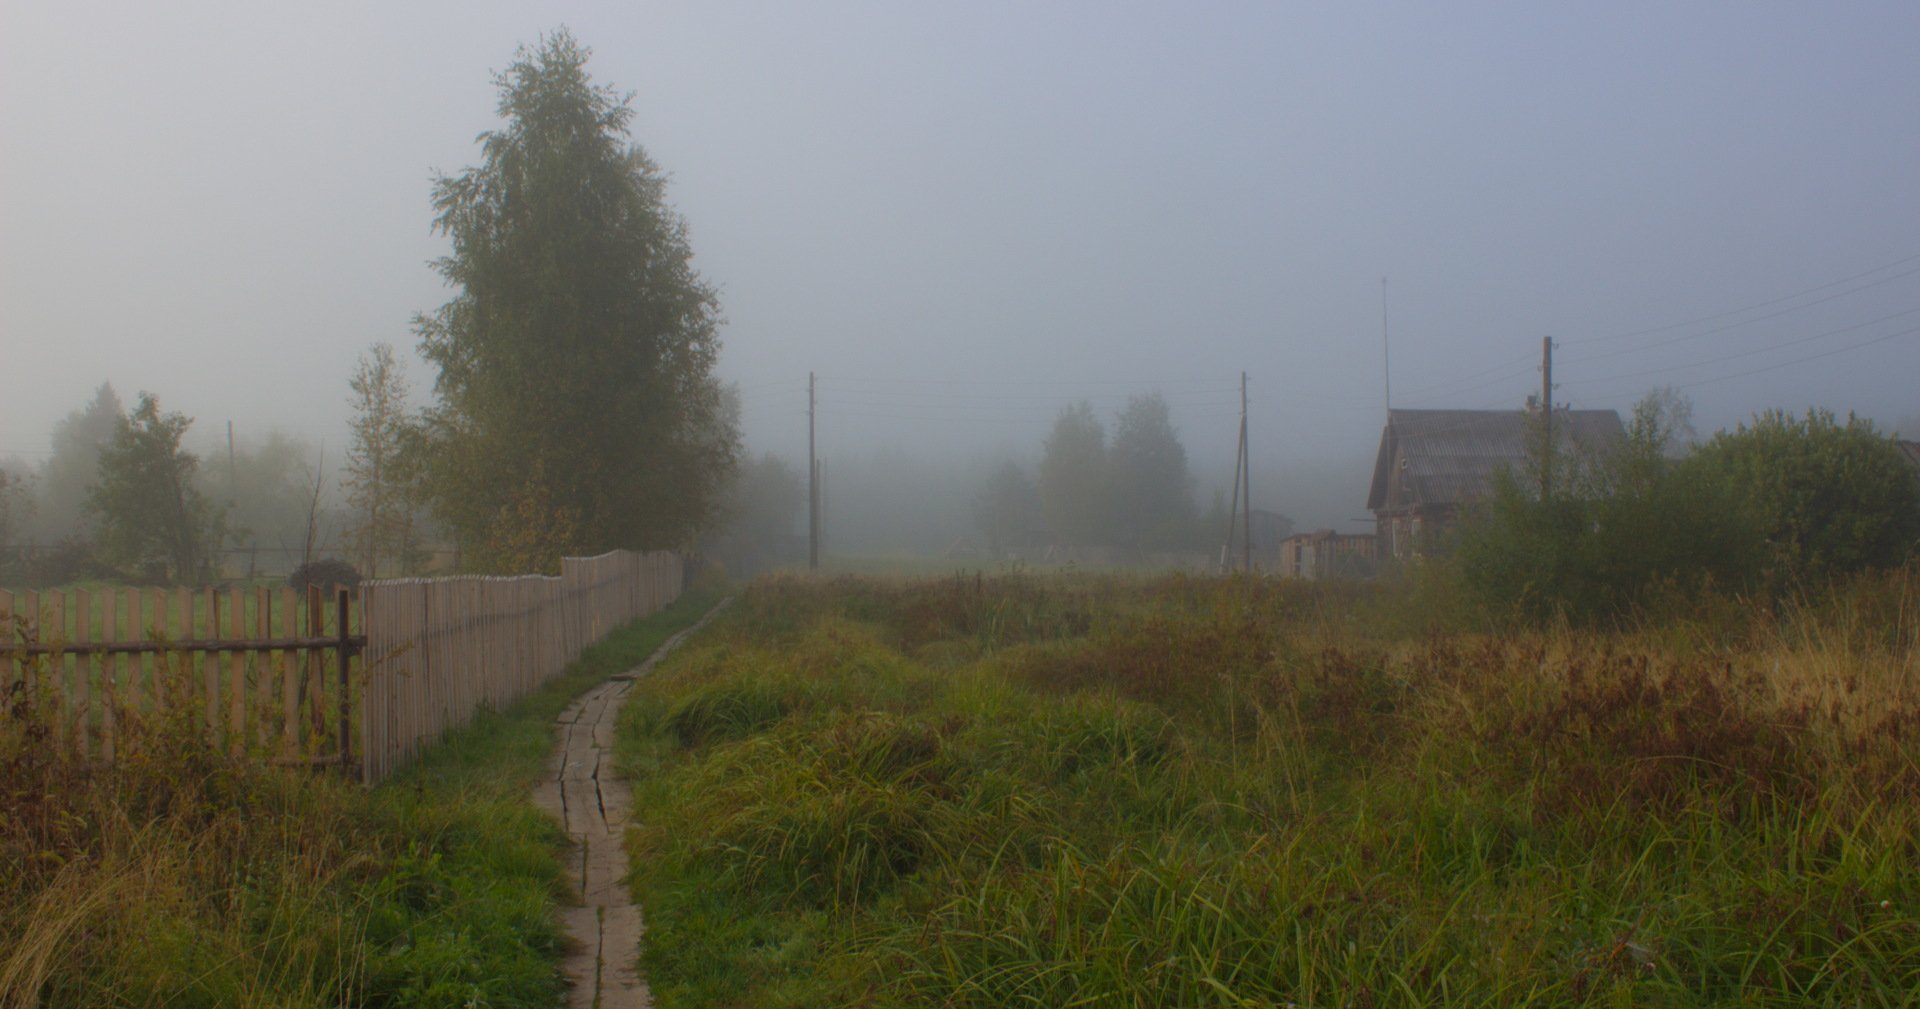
438 649
267 671
249 667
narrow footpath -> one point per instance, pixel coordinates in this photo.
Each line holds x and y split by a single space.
586 795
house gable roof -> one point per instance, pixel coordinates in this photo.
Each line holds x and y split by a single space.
1450 456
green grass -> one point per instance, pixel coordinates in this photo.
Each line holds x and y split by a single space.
1033 791
184 877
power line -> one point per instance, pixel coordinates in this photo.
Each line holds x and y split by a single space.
1754 351
1770 302
1803 360
1643 348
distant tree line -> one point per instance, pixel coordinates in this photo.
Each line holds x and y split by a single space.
1131 490
121 496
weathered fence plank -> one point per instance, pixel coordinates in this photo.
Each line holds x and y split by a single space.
439 650
242 663
115 658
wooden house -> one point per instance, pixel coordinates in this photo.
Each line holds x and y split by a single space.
1433 462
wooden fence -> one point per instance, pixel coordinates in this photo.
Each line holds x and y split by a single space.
272 672
249 666
438 649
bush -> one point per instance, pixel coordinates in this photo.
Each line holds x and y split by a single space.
1829 498
70 560
1603 557
1782 503
326 572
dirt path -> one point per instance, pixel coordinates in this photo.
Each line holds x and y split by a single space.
584 794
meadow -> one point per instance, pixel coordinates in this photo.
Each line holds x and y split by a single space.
1127 791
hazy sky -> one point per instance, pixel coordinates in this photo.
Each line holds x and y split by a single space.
963 215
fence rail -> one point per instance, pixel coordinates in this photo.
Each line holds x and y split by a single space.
249 662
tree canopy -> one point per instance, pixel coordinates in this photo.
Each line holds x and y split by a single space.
1152 489
73 468
1828 497
379 492
269 494
1074 478
577 409
153 519
16 504
764 501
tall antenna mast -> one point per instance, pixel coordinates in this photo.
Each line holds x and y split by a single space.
1386 347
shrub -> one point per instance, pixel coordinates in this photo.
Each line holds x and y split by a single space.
1829 498
327 573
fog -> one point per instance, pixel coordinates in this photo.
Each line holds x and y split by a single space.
964 217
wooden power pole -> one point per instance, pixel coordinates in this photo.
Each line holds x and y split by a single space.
1240 498
1233 500
1546 415
813 487
1246 483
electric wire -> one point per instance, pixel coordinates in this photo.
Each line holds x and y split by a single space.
1751 352
1766 304
1800 360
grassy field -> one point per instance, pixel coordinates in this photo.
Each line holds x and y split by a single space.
1055 791
184 877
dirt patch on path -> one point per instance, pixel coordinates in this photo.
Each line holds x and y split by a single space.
585 794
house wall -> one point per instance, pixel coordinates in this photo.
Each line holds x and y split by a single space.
1412 533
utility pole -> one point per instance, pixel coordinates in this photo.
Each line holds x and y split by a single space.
1546 414
1233 498
1246 483
813 487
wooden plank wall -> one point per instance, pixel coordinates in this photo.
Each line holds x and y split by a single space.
439 649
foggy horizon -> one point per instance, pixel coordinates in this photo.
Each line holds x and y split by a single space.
965 219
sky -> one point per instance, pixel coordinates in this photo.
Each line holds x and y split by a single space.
961 217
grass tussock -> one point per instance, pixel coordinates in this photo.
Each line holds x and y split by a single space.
1146 792
182 875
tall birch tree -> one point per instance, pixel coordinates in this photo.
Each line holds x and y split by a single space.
378 492
577 410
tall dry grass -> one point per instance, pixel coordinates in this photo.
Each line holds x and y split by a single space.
178 874
1178 791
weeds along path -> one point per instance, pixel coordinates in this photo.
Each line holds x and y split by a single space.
584 793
